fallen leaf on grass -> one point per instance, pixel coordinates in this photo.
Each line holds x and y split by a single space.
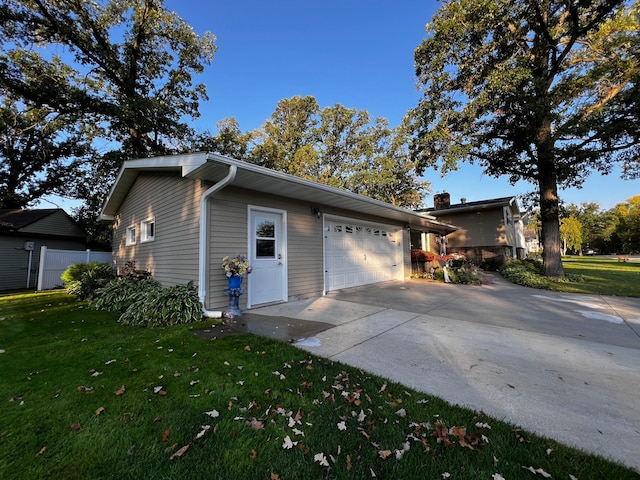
253 454
321 459
539 471
120 391
213 413
275 476
288 444
165 435
41 451
99 411
256 424
348 463
383 454
497 476
180 452
401 413
200 434
74 427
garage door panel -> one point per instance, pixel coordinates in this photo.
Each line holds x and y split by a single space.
357 253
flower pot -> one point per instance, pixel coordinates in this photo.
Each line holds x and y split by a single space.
234 281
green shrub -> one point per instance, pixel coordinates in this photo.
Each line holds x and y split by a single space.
165 306
119 294
146 303
467 274
528 273
492 264
83 279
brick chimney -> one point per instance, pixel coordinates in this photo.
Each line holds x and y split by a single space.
441 200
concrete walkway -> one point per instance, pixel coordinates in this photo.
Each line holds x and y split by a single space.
565 366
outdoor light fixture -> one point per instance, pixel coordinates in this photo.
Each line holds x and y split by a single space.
316 211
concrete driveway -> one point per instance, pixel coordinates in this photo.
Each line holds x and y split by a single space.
565 366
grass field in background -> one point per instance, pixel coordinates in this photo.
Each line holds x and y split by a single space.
602 275
82 396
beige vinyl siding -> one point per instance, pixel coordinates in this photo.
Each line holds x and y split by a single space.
229 210
57 224
174 202
15 259
485 228
305 256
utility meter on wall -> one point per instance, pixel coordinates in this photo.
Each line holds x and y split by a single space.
29 246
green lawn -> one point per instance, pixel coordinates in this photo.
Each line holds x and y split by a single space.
603 276
82 396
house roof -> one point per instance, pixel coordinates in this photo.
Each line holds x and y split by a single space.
213 167
473 206
14 221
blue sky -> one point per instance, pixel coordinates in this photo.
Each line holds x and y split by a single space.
358 53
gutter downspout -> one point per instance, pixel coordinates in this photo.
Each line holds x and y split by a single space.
203 264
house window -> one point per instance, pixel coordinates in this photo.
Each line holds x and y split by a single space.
130 236
265 233
148 230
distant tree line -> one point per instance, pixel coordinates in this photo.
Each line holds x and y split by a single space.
586 228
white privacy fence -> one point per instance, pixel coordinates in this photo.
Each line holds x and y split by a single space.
54 262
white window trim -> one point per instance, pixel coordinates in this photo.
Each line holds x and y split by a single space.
143 233
127 234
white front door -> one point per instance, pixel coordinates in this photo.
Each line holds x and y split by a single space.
267 253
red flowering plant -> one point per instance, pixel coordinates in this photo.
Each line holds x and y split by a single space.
421 256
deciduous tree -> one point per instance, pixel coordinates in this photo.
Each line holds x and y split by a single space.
571 234
128 64
41 152
509 84
628 228
341 147
124 68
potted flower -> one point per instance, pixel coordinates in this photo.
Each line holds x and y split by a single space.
236 268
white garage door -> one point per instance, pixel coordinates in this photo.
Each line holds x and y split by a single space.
358 253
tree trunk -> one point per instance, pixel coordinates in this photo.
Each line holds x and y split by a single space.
549 215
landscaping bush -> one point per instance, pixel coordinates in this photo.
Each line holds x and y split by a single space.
529 273
83 279
164 306
492 264
146 303
467 274
119 294
525 272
